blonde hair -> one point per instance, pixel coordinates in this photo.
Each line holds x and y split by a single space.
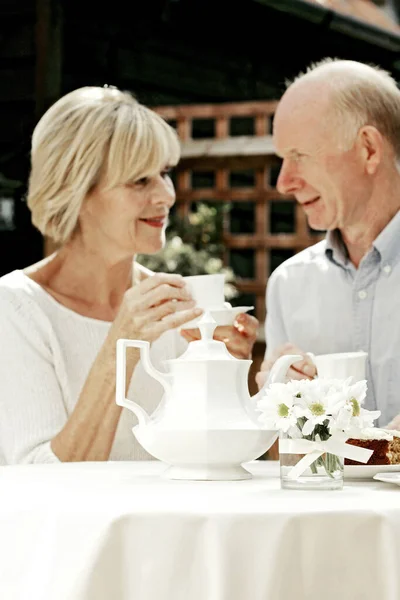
362 95
89 133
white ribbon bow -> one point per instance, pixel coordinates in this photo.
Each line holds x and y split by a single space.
314 450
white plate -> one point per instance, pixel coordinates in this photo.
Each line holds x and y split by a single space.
368 471
222 316
388 477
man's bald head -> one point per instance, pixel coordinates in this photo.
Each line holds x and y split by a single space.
352 95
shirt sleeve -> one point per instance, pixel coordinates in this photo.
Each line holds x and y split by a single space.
32 410
275 332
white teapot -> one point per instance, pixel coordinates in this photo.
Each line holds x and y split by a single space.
207 423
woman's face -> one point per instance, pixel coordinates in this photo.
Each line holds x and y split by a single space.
131 218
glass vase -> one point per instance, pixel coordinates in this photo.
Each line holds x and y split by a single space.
324 473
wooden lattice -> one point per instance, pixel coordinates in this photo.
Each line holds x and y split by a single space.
225 154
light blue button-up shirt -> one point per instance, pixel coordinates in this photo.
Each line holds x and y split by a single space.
319 301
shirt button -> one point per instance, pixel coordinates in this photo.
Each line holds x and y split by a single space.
362 294
387 269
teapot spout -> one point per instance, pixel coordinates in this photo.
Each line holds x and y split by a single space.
278 373
120 391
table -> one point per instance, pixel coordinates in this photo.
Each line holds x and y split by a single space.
119 531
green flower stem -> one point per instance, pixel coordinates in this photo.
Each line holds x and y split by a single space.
329 462
314 465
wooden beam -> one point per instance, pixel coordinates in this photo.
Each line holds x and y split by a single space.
222 127
184 128
223 146
251 286
280 240
234 163
222 109
48 53
228 194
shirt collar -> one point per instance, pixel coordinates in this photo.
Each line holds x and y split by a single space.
335 249
388 241
387 244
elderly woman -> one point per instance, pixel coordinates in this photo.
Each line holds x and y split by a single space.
100 188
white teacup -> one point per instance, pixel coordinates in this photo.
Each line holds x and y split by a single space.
207 290
341 365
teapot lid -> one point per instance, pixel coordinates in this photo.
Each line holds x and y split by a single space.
206 348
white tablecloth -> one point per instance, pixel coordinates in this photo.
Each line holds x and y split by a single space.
119 531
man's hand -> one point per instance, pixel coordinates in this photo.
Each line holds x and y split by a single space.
394 423
239 337
304 369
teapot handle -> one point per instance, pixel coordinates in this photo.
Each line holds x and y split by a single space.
120 396
312 356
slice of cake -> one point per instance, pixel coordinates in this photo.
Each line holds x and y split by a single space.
385 444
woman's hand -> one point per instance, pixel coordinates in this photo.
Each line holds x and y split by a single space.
239 337
157 304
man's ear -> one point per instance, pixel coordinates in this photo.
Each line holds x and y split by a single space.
371 147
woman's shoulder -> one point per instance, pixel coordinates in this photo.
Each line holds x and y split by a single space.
25 327
19 295
14 285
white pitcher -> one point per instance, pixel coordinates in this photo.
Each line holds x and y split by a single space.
208 424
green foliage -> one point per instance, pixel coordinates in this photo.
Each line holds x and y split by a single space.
9 186
194 246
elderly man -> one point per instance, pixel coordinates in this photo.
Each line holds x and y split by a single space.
337 129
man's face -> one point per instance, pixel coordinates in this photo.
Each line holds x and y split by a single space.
326 179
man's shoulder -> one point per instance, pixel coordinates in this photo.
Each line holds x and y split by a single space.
313 256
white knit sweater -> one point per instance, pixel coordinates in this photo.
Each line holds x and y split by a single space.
46 351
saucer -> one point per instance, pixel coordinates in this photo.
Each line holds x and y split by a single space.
222 316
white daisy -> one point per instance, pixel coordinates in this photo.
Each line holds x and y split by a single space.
313 404
277 408
347 408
